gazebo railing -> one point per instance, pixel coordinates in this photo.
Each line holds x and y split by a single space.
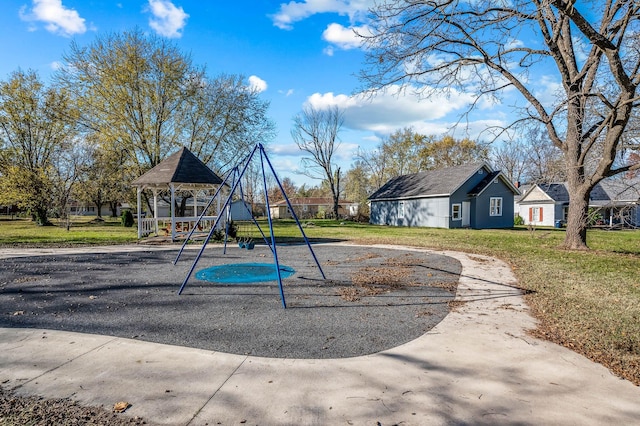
183 225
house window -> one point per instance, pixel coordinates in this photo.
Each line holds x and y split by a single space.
535 214
401 210
456 211
495 206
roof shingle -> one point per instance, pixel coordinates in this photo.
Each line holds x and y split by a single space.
427 184
180 167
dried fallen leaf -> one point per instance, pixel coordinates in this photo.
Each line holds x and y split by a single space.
120 407
18 313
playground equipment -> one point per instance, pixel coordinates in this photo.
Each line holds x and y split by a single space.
235 176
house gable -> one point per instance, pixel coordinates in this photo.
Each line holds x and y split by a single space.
536 194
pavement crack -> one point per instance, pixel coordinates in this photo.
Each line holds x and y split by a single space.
63 364
216 391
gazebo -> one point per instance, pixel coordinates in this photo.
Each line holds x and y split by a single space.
181 171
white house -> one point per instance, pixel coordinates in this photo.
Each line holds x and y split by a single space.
312 207
614 202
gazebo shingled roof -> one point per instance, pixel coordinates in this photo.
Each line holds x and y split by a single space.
182 167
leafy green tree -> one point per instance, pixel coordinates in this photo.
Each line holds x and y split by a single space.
145 98
66 169
357 187
321 191
130 89
104 179
396 155
35 136
484 48
406 151
449 152
401 151
275 194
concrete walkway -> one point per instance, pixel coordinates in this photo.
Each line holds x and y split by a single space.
478 366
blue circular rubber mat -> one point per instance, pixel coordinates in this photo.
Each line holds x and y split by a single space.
242 273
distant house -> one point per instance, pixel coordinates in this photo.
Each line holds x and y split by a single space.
471 195
80 208
240 210
614 203
312 207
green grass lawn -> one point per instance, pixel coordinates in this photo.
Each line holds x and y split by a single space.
588 301
82 230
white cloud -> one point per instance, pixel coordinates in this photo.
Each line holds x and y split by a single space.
391 110
344 38
549 91
57 18
346 152
513 44
286 150
257 84
287 92
167 20
56 65
294 11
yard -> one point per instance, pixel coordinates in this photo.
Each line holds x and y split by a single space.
587 301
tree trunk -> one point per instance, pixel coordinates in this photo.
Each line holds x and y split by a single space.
335 189
182 207
99 207
113 205
41 216
576 235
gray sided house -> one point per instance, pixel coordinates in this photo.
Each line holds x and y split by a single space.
471 195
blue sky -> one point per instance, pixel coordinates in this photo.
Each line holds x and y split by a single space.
296 53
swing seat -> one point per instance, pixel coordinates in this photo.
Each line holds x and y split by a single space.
241 244
249 245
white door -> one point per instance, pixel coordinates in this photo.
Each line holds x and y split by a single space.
466 213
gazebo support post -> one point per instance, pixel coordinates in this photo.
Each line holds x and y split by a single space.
139 200
173 212
194 194
155 209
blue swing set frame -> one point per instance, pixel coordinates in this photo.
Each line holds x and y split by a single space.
236 176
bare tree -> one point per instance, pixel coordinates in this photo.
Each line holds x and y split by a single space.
315 131
531 158
543 158
375 163
511 159
484 47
